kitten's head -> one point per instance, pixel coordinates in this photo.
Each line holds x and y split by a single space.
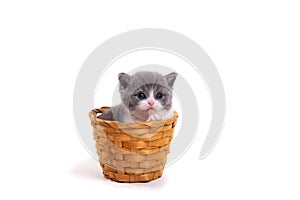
147 91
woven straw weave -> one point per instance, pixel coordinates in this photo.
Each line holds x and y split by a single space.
132 152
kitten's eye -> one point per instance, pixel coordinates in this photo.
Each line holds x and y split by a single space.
141 96
159 96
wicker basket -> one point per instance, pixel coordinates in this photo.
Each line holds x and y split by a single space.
132 152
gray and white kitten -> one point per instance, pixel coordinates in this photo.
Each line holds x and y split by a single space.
146 96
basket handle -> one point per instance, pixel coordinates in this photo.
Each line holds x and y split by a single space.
93 114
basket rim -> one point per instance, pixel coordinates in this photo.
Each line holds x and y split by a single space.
93 115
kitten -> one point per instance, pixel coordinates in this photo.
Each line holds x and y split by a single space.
146 96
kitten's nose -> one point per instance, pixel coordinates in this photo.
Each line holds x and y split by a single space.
150 103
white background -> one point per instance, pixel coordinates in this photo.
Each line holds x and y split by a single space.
255 46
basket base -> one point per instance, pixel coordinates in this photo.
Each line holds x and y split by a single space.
122 177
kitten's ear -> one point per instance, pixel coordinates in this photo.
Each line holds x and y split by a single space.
170 78
124 79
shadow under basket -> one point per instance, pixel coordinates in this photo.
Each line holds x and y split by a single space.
132 152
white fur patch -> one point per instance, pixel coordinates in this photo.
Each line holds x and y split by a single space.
158 113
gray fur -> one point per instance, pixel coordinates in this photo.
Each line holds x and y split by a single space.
129 86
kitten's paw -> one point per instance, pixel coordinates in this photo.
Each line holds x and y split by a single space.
107 115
